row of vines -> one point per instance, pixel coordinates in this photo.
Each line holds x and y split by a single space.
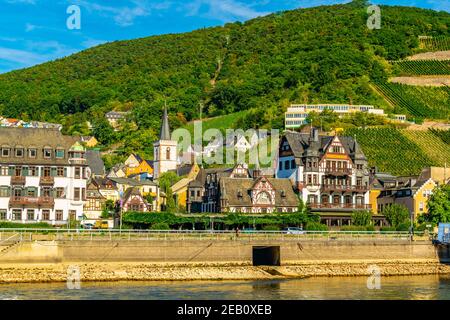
439 43
397 151
420 102
422 67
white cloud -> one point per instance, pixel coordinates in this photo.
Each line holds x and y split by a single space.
125 15
224 10
23 57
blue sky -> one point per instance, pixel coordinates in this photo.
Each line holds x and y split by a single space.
35 31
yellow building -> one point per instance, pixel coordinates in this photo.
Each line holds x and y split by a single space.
89 141
414 197
144 167
180 188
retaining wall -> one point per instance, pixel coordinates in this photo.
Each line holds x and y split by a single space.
217 251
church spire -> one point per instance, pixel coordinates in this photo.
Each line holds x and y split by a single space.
164 134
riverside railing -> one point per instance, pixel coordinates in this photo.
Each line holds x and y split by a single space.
30 234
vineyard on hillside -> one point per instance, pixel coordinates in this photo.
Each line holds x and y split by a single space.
444 135
420 102
422 67
390 151
435 149
439 43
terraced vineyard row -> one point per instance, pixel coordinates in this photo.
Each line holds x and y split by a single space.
391 151
444 135
422 67
421 102
435 149
439 43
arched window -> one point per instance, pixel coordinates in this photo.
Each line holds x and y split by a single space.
168 153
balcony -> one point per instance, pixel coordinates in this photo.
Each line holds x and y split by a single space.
338 171
340 206
44 202
343 188
18 180
47 181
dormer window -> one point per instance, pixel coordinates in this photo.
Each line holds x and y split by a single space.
59 153
19 152
32 152
5 151
47 153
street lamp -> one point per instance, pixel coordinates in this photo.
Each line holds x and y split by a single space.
411 231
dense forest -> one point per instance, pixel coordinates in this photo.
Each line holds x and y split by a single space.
325 54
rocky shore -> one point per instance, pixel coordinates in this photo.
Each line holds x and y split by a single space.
128 271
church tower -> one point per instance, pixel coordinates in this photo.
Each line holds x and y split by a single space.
165 150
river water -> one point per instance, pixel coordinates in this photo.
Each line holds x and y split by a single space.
405 287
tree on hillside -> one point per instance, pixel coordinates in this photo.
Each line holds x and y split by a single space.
103 131
396 214
362 218
439 205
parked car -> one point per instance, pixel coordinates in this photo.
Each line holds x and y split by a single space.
88 226
294 230
248 230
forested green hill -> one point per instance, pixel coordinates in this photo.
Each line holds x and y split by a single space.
322 54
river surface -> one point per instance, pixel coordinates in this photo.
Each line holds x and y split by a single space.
405 287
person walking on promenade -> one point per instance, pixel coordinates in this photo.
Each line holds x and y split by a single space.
237 232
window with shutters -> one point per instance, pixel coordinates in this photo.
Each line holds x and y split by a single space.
31 192
46 172
46 192
60 172
18 171
4 171
33 171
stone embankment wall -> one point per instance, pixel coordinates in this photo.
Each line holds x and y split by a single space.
218 251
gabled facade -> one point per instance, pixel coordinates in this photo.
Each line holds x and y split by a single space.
262 195
330 173
133 200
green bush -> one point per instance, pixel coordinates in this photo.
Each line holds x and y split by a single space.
404 226
370 228
271 227
160 226
38 225
316 226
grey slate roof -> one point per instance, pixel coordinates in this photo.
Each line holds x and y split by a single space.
300 144
164 134
95 162
36 138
